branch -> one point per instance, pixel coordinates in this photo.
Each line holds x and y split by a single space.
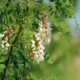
7 62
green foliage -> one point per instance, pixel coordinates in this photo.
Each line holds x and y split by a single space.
2 66
14 13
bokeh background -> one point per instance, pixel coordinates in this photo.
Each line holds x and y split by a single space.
65 58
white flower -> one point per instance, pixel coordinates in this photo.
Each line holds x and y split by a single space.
38 38
33 45
1 35
40 24
48 24
2 45
6 48
33 41
40 42
37 34
42 47
10 34
34 48
3 41
5 32
45 31
43 37
38 61
36 56
42 58
41 51
7 44
49 40
49 29
35 52
41 29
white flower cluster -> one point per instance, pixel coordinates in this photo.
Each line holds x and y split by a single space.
45 30
41 38
4 39
9 32
4 42
37 48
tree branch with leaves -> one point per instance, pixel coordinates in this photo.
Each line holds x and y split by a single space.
33 31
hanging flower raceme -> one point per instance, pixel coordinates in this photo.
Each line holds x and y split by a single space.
43 37
45 30
4 39
37 52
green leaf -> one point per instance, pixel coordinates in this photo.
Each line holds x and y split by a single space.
59 23
59 33
75 21
50 9
29 5
52 12
63 25
38 17
2 59
77 24
16 54
2 66
72 10
49 61
74 17
65 30
46 56
27 65
20 64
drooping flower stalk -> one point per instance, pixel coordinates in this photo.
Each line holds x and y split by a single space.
43 37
